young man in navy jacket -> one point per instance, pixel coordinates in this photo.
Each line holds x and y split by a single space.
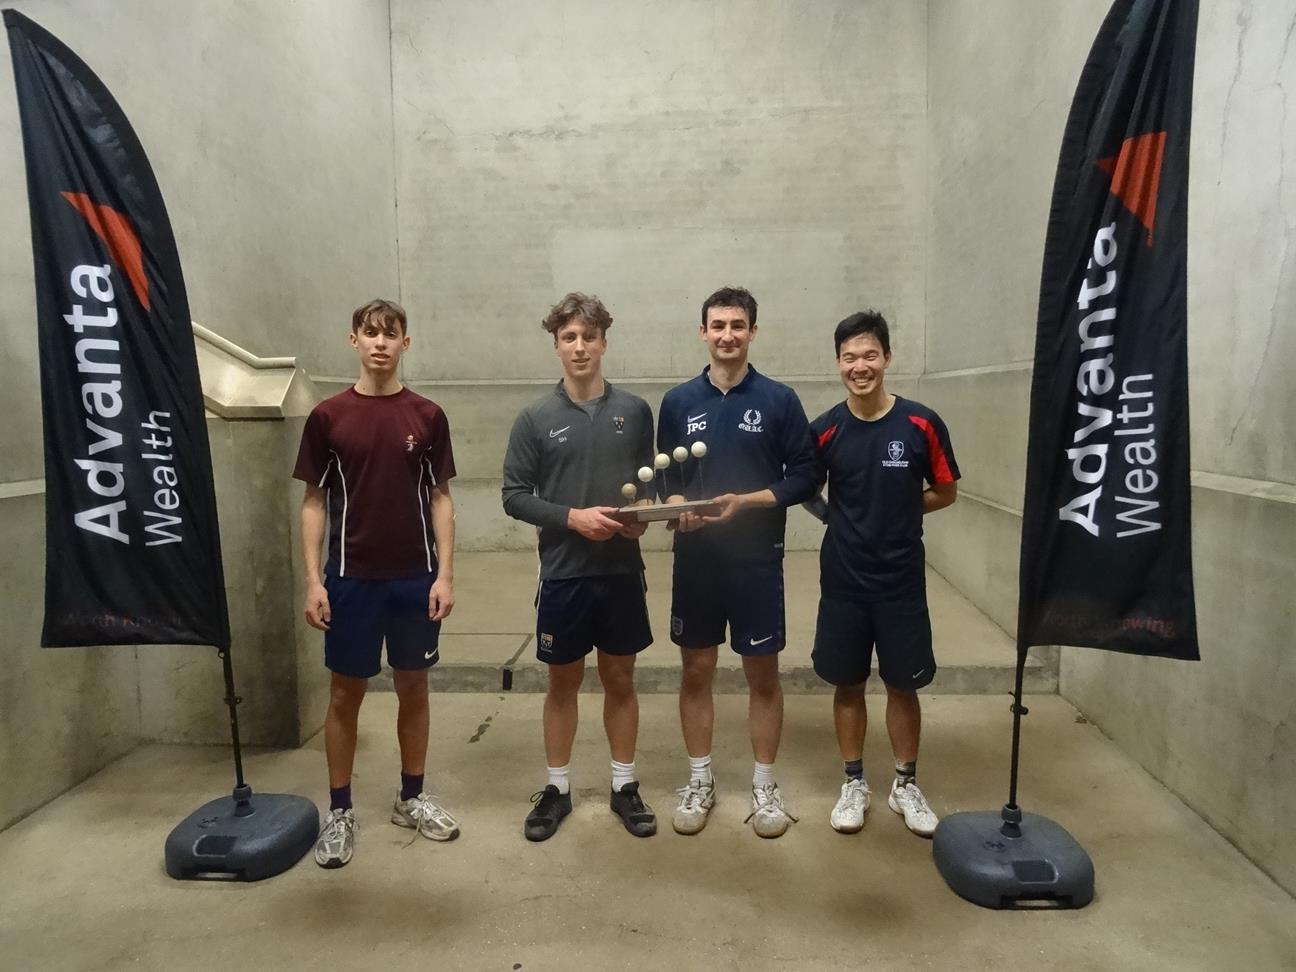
728 571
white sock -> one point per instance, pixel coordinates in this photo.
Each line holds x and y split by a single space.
762 774
560 776
622 773
700 769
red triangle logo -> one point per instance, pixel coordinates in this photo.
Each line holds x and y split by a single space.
123 244
1136 175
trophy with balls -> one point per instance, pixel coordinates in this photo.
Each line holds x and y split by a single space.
644 509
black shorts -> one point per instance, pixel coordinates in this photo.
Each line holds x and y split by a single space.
706 596
575 615
847 631
367 612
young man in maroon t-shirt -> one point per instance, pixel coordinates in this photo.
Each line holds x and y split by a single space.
377 464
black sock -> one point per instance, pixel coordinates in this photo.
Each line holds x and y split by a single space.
906 772
854 769
411 786
340 797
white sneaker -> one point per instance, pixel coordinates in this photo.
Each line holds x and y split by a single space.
695 803
848 816
336 841
909 802
423 814
769 818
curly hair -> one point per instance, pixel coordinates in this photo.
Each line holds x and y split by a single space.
586 307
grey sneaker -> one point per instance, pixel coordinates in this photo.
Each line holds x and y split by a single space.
848 816
769 818
695 803
423 814
336 841
909 802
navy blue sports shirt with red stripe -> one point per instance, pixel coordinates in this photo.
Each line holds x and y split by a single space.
379 457
876 472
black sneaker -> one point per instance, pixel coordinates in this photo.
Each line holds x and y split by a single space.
550 808
634 813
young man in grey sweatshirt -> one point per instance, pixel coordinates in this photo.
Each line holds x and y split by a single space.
568 455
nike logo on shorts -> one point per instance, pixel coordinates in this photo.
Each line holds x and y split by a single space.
554 433
918 673
430 654
754 642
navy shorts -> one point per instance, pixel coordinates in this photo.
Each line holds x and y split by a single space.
748 598
365 612
575 615
847 631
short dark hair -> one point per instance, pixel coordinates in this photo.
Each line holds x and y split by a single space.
731 297
386 312
864 322
587 307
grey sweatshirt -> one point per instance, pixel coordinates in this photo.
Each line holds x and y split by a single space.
560 456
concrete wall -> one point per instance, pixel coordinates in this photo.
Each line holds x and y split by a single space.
1218 733
269 128
650 153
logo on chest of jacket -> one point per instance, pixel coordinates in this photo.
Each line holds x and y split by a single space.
751 421
694 423
410 443
619 422
895 452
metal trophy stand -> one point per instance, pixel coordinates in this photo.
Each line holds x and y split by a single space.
644 509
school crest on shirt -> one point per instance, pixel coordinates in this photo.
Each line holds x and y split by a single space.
895 452
619 422
751 421
410 442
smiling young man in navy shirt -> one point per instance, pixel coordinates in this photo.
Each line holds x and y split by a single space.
888 463
728 570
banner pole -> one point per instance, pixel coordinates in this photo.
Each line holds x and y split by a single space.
232 700
1012 815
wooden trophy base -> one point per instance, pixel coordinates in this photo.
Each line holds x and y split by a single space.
647 511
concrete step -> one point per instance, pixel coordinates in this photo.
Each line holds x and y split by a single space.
487 645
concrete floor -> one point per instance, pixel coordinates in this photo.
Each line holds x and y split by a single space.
83 885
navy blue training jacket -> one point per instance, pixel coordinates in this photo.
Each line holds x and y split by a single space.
757 437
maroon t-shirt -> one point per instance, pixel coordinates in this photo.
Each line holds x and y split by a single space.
378 457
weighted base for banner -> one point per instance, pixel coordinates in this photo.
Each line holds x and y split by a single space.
242 837
1012 860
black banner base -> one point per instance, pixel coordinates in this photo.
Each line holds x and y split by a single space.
242 837
1012 860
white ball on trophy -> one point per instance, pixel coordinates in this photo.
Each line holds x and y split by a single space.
698 449
645 474
661 461
629 491
680 453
